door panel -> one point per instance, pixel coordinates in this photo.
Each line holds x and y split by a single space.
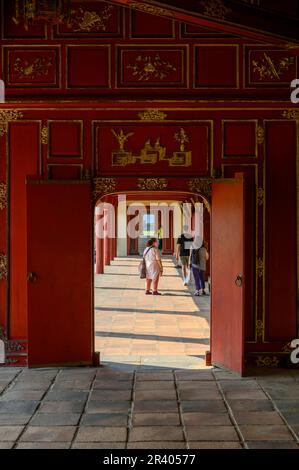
227 263
60 300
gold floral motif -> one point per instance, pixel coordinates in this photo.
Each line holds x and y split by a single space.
271 69
260 196
90 21
3 267
291 114
152 184
260 135
201 185
39 67
152 115
103 186
259 327
215 8
260 267
3 196
6 116
44 135
150 9
149 67
267 361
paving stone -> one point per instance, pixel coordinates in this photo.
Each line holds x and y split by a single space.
287 405
155 385
43 445
245 395
272 445
156 419
155 395
113 385
61 407
110 374
154 376
213 406
111 395
108 407
6 445
265 432
156 445
14 419
105 419
48 434
214 445
72 385
197 394
65 395
207 419
31 385
55 419
250 405
211 433
258 417
155 406
196 385
101 434
99 445
10 433
22 395
18 407
194 375
156 433
291 417
295 428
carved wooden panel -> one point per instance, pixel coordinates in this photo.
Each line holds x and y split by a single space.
88 66
66 139
125 148
142 27
56 171
31 67
216 66
146 67
13 30
239 139
92 19
268 67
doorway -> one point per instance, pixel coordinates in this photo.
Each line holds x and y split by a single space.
172 330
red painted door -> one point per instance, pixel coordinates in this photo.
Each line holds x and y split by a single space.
227 274
60 279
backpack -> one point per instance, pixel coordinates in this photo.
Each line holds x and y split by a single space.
195 258
142 265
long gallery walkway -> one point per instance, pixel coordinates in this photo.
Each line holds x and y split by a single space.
131 327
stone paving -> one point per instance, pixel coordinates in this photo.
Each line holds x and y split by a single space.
133 407
171 330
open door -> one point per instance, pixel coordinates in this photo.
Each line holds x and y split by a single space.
60 281
227 274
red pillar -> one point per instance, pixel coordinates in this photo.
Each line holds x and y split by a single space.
99 249
99 255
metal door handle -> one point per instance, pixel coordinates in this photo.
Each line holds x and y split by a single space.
32 277
239 280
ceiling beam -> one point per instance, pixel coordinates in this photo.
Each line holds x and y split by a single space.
229 16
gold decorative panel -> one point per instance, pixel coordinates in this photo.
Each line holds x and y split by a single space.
3 195
3 267
152 184
152 115
6 116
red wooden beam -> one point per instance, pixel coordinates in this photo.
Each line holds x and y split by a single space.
230 16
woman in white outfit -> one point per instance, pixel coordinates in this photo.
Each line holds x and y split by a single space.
154 267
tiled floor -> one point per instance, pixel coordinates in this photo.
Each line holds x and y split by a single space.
130 327
132 407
